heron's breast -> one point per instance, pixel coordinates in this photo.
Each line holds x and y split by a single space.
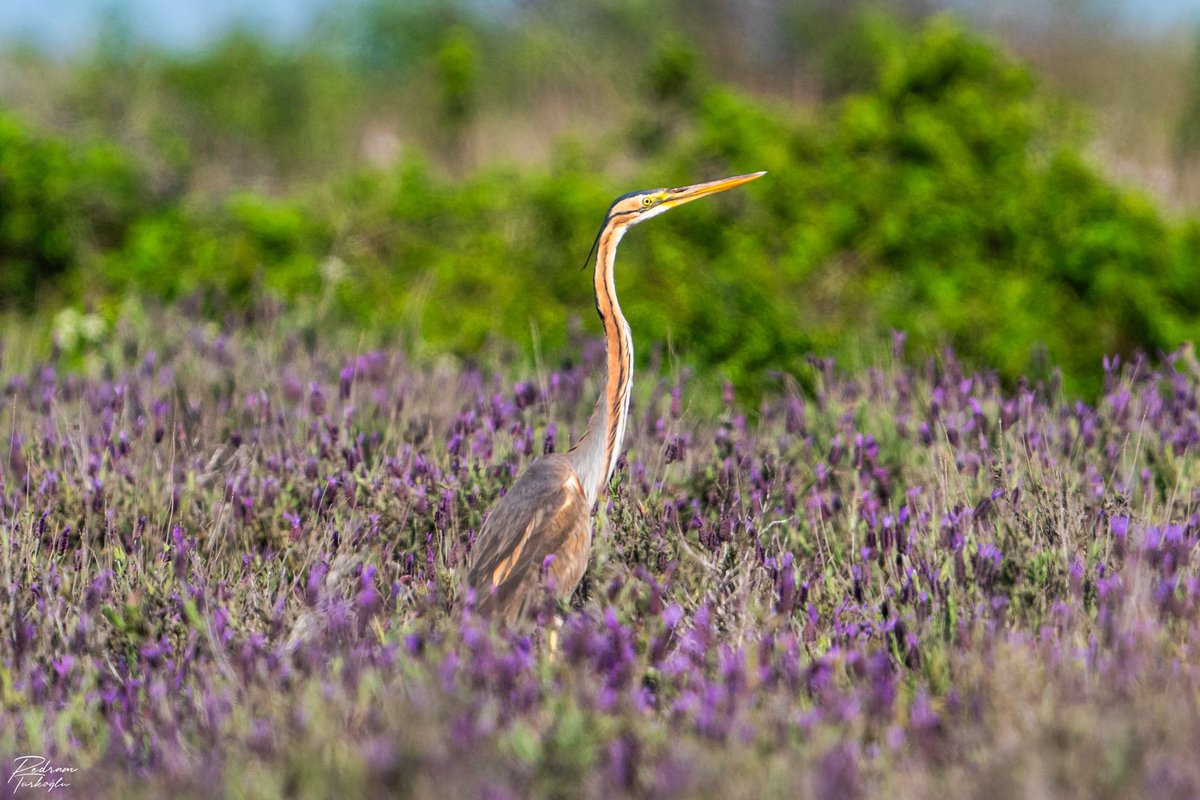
571 560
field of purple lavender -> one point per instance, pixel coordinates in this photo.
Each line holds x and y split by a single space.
230 564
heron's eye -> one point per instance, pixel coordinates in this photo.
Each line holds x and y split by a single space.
647 202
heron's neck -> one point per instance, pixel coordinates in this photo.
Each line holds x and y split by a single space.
595 456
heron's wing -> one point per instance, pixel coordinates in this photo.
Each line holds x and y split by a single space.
544 513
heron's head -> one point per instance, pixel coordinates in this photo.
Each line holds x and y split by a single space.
632 208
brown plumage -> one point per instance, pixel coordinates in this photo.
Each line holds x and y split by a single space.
548 511
544 513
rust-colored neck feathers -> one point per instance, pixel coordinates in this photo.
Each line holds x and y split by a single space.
595 456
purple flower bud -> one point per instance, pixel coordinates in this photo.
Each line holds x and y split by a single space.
312 589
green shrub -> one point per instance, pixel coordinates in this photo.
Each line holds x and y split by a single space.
59 204
225 256
941 196
944 200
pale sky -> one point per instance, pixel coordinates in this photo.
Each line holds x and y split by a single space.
65 24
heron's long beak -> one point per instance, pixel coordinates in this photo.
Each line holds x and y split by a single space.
687 194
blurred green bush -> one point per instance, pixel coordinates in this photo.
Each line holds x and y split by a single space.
61 206
939 194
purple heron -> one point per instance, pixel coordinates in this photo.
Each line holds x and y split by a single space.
548 511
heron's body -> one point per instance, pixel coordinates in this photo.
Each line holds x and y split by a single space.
548 511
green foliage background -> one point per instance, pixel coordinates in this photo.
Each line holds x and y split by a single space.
935 191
